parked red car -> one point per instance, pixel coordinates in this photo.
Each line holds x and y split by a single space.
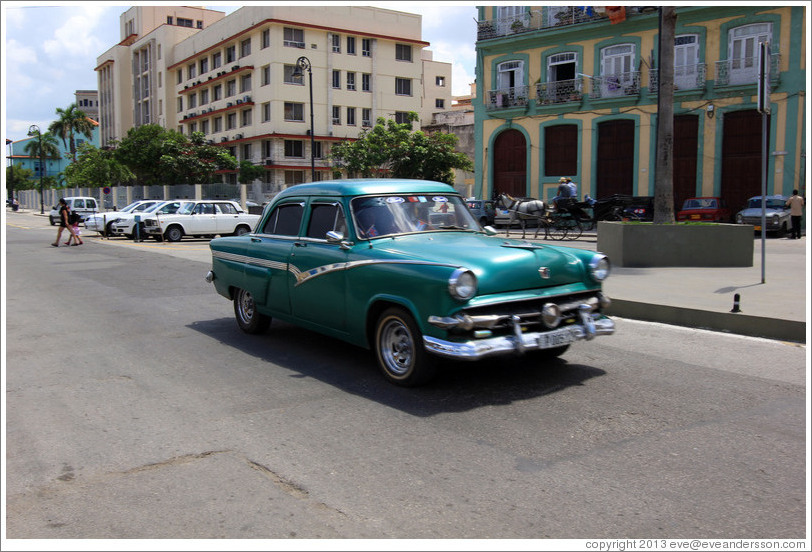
706 209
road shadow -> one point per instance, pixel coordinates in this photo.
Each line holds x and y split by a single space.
458 387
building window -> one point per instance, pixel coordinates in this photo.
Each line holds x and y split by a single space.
217 92
366 117
403 87
265 75
245 47
294 177
265 39
294 148
231 87
246 151
192 101
185 22
317 150
266 112
439 104
336 115
216 60
366 47
245 83
266 150
336 42
204 126
403 52
617 64
366 82
294 111
231 121
351 45
350 81
218 124
402 117
743 51
231 54
180 104
192 128
293 37
245 117
191 70
180 76
204 65
169 20
336 78
351 116
290 78
199 24
204 96
439 81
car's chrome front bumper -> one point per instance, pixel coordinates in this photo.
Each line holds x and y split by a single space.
589 326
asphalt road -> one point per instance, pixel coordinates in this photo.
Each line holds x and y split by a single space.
136 409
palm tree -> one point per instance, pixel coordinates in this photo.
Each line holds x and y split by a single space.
72 121
42 147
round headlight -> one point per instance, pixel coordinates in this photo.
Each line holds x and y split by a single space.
599 268
739 219
551 315
462 284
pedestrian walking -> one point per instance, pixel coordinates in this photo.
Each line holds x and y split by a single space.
64 221
796 210
73 219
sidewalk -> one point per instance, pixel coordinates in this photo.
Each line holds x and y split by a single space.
704 297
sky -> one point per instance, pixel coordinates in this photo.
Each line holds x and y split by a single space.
49 50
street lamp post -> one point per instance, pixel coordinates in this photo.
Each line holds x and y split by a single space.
301 64
33 130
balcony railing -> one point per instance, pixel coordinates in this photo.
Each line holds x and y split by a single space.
731 72
551 16
686 77
559 91
508 97
616 86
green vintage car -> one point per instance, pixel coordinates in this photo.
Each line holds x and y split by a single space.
403 268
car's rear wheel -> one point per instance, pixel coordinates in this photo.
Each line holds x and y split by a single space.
241 230
399 349
248 319
173 233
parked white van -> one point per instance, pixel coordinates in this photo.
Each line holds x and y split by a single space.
84 206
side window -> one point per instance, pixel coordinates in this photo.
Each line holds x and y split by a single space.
227 208
78 203
91 204
285 220
325 217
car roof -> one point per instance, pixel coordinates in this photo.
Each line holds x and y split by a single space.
367 186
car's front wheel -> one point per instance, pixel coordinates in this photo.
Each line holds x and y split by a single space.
248 319
241 231
399 349
53 222
173 233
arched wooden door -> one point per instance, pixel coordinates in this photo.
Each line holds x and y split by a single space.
510 164
686 145
615 163
741 157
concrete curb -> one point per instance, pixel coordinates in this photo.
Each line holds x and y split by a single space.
737 323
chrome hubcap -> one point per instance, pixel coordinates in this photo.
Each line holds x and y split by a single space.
397 347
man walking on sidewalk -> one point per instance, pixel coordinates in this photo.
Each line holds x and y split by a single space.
796 210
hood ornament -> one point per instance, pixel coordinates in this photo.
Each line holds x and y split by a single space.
544 272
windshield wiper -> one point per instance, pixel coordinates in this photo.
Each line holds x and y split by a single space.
452 227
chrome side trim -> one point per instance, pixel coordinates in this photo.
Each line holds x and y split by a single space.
476 349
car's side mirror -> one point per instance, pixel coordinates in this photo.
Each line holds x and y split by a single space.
491 231
337 238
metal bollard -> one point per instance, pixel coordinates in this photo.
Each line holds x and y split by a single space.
736 308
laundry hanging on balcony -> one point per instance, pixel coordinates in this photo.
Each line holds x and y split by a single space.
616 13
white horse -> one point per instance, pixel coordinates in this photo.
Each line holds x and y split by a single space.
522 210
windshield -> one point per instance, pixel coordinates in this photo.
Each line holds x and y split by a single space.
130 207
755 203
377 216
186 208
700 203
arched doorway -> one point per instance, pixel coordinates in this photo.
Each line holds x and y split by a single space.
686 145
615 163
510 164
741 157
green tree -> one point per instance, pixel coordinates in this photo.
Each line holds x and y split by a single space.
392 149
249 172
141 152
96 168
42 146
192 160
72 121
18 178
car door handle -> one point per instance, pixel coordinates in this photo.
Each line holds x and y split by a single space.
256 240
300 244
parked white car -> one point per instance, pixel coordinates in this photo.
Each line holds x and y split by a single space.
97 222
85 206
126 225
201 218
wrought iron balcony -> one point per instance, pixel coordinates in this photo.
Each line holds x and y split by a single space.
547 18
686 77
616 86
507 97
559 91
731 72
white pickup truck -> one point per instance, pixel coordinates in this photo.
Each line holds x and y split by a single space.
201 218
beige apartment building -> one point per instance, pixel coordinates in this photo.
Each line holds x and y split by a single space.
235 79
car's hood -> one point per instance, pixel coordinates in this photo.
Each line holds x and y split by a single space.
500 264
757 212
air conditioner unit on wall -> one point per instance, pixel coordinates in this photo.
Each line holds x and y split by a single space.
224 139
238 137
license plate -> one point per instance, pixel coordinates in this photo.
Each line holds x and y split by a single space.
555 338
695 217
757 228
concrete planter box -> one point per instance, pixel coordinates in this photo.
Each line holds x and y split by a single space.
650 245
